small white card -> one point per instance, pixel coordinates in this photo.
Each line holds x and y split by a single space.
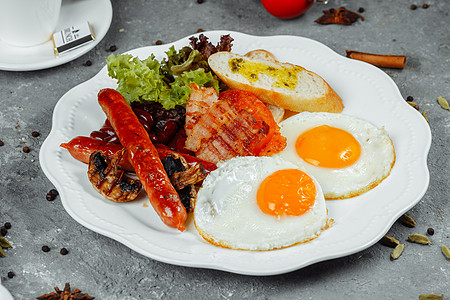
72 37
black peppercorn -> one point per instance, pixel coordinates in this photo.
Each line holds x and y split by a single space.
26 149
3 231
11 274
51 195
1 143
410 98
64 251
159 42
113 48
413 7
200 1
45 248
430 231
8 225
88 63
361 10
35 134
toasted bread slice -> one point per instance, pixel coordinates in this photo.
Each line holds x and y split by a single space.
277 111
281 84
262 55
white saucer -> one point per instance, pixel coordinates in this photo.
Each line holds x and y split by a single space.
97 12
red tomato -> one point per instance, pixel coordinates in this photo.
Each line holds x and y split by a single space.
287 9
242 100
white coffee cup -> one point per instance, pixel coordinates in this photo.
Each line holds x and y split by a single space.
28 23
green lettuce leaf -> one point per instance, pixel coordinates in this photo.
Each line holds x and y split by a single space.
184 60
149 80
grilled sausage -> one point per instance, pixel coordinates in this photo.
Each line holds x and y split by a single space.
144 158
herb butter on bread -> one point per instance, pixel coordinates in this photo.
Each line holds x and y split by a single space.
282 84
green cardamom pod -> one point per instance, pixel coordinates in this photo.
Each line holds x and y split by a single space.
431 297
424 114
419 239
2 253
398 250
446 251
413 104
407 221
443 103
4 243
389 241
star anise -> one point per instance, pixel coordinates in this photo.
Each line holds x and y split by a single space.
66 294
339 16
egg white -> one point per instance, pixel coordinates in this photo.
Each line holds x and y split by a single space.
374 164
226 212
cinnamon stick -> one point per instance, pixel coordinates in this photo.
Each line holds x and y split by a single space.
379 60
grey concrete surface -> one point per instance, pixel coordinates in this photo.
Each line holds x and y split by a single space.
106 269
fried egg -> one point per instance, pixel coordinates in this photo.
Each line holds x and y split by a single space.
259 203
347 155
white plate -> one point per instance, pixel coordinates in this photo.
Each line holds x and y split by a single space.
73 12
4 293
360 222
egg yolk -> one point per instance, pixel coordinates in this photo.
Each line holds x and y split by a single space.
328 147
290 191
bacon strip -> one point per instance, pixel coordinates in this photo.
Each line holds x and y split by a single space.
236 124
200 100
223 132
144 158
209 124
